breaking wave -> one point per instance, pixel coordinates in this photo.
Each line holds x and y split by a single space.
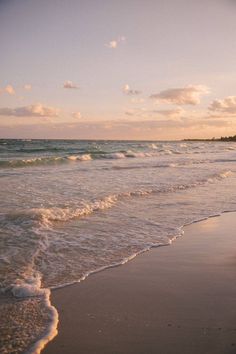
54 160
38 161
47 216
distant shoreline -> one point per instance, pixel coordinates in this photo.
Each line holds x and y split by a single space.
223 138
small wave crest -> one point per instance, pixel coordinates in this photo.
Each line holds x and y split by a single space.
30 162
38 161
45 217
134 154
222 175
115 155
166 152
226 174
85 157
49 215
153 146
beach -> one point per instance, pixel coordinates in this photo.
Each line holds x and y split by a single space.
60 225
173 299
117 177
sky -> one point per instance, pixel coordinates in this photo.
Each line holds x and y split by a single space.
109 69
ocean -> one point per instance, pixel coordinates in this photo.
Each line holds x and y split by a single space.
71 208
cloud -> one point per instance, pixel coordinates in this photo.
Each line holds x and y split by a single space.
138 112
27 87
131 112
226 105
121 39
153 114
189 95
170 113
36 110
113 44
128 91
76 115
137 100
70 85
8 89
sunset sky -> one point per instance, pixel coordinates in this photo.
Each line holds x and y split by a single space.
110 69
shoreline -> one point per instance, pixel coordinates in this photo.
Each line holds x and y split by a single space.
159 302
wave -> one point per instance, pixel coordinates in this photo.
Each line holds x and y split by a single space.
133 154
45 217
136 167
153 146
38 161
166 152
226 174
115 155
128 154
85 157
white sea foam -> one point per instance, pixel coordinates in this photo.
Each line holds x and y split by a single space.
153 146
72 158
115 155
49 215
31 287
51 330
37 161
85 157
226 174
167 152
134 154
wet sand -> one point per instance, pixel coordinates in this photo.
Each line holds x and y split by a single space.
178 299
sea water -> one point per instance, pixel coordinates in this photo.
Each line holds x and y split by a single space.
71 208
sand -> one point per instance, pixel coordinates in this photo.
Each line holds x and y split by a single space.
178 299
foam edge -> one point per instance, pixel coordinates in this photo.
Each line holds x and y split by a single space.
51 331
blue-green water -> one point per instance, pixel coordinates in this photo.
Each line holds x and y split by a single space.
69 208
